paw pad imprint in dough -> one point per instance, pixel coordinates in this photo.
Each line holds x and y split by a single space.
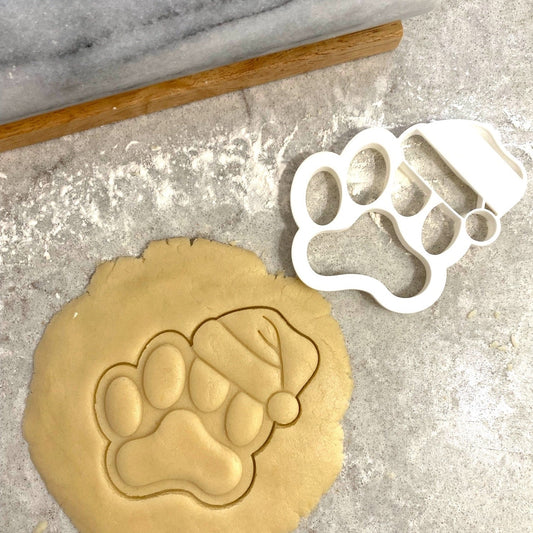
207 387
123 406
190 415
164 376
243 419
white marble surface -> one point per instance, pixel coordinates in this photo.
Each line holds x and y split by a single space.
55 53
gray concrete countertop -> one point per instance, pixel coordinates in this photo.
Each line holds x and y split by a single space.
439 433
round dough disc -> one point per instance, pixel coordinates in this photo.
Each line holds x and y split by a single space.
89 420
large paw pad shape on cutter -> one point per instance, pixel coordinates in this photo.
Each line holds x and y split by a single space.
189 416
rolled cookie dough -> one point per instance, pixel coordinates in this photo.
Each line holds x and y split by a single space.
189 390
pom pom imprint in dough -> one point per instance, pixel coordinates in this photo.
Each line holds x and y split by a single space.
189 388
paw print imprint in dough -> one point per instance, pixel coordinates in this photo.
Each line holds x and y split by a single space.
190 415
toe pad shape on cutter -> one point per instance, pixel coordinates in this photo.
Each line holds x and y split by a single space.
174 451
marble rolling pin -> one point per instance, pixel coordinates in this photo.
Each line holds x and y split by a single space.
103 61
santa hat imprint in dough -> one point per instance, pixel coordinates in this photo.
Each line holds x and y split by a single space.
256 350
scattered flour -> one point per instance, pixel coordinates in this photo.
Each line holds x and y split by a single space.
240 169
164 195
161 163
518 121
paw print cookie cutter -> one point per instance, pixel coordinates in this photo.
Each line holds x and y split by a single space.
472 150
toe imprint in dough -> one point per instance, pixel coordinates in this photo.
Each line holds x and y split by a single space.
243 419
207 387
123 406
164 376
190 415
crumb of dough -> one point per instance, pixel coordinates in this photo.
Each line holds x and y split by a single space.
502 348
514 341
472 314
497 314
509 367
40 527
130 144
494 344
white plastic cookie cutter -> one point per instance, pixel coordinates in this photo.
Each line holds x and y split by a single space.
471 149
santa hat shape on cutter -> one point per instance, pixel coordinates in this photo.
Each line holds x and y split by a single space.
259 351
